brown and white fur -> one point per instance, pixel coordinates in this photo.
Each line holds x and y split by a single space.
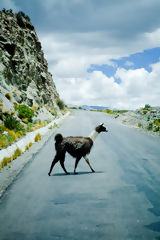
77 147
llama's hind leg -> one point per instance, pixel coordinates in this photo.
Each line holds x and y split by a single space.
87 161
76 163
62 164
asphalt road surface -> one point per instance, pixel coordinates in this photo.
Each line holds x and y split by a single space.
120 201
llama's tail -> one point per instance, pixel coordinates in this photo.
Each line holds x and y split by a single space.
58 138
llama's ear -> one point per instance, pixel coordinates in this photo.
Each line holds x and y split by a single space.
102 124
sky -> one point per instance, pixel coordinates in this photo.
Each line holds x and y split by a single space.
100 52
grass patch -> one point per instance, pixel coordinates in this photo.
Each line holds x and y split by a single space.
7 137
5 162
3 141
37 137
36 125
17 153
26 148
30 144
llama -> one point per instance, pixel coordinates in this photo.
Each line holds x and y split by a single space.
77 147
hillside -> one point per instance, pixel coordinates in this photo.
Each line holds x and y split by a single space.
22 63
28 96
146 119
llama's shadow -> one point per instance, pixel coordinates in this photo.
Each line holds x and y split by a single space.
72 174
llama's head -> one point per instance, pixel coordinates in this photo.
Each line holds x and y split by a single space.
101 128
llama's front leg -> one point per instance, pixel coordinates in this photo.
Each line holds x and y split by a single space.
76 163
87 161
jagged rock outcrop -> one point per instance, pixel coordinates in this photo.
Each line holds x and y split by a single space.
22 62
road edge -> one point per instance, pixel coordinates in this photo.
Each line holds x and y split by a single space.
8 175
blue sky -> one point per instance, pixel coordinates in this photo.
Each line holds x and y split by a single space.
99 52
134 61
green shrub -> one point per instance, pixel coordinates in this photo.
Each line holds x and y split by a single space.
147 106
29 127
54 112
157 122
156 128
21 14
150 126
139 124
60 103
9 139
25 112
13 124
1 129
16 105
145 111
25 120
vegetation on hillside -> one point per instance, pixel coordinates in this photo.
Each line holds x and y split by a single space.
16 124
109 111
60 103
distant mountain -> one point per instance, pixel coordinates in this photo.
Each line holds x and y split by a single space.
86 107
93 107
98 107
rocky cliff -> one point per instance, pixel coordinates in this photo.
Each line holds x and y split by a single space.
23 68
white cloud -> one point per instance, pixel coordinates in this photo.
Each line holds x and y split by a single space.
69 60
76 38
137 88
71 54
78 33
153 37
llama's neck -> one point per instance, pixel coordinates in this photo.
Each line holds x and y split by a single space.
93 135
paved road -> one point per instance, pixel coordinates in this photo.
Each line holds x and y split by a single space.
120 201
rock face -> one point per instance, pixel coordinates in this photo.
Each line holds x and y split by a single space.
22 62
146 119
